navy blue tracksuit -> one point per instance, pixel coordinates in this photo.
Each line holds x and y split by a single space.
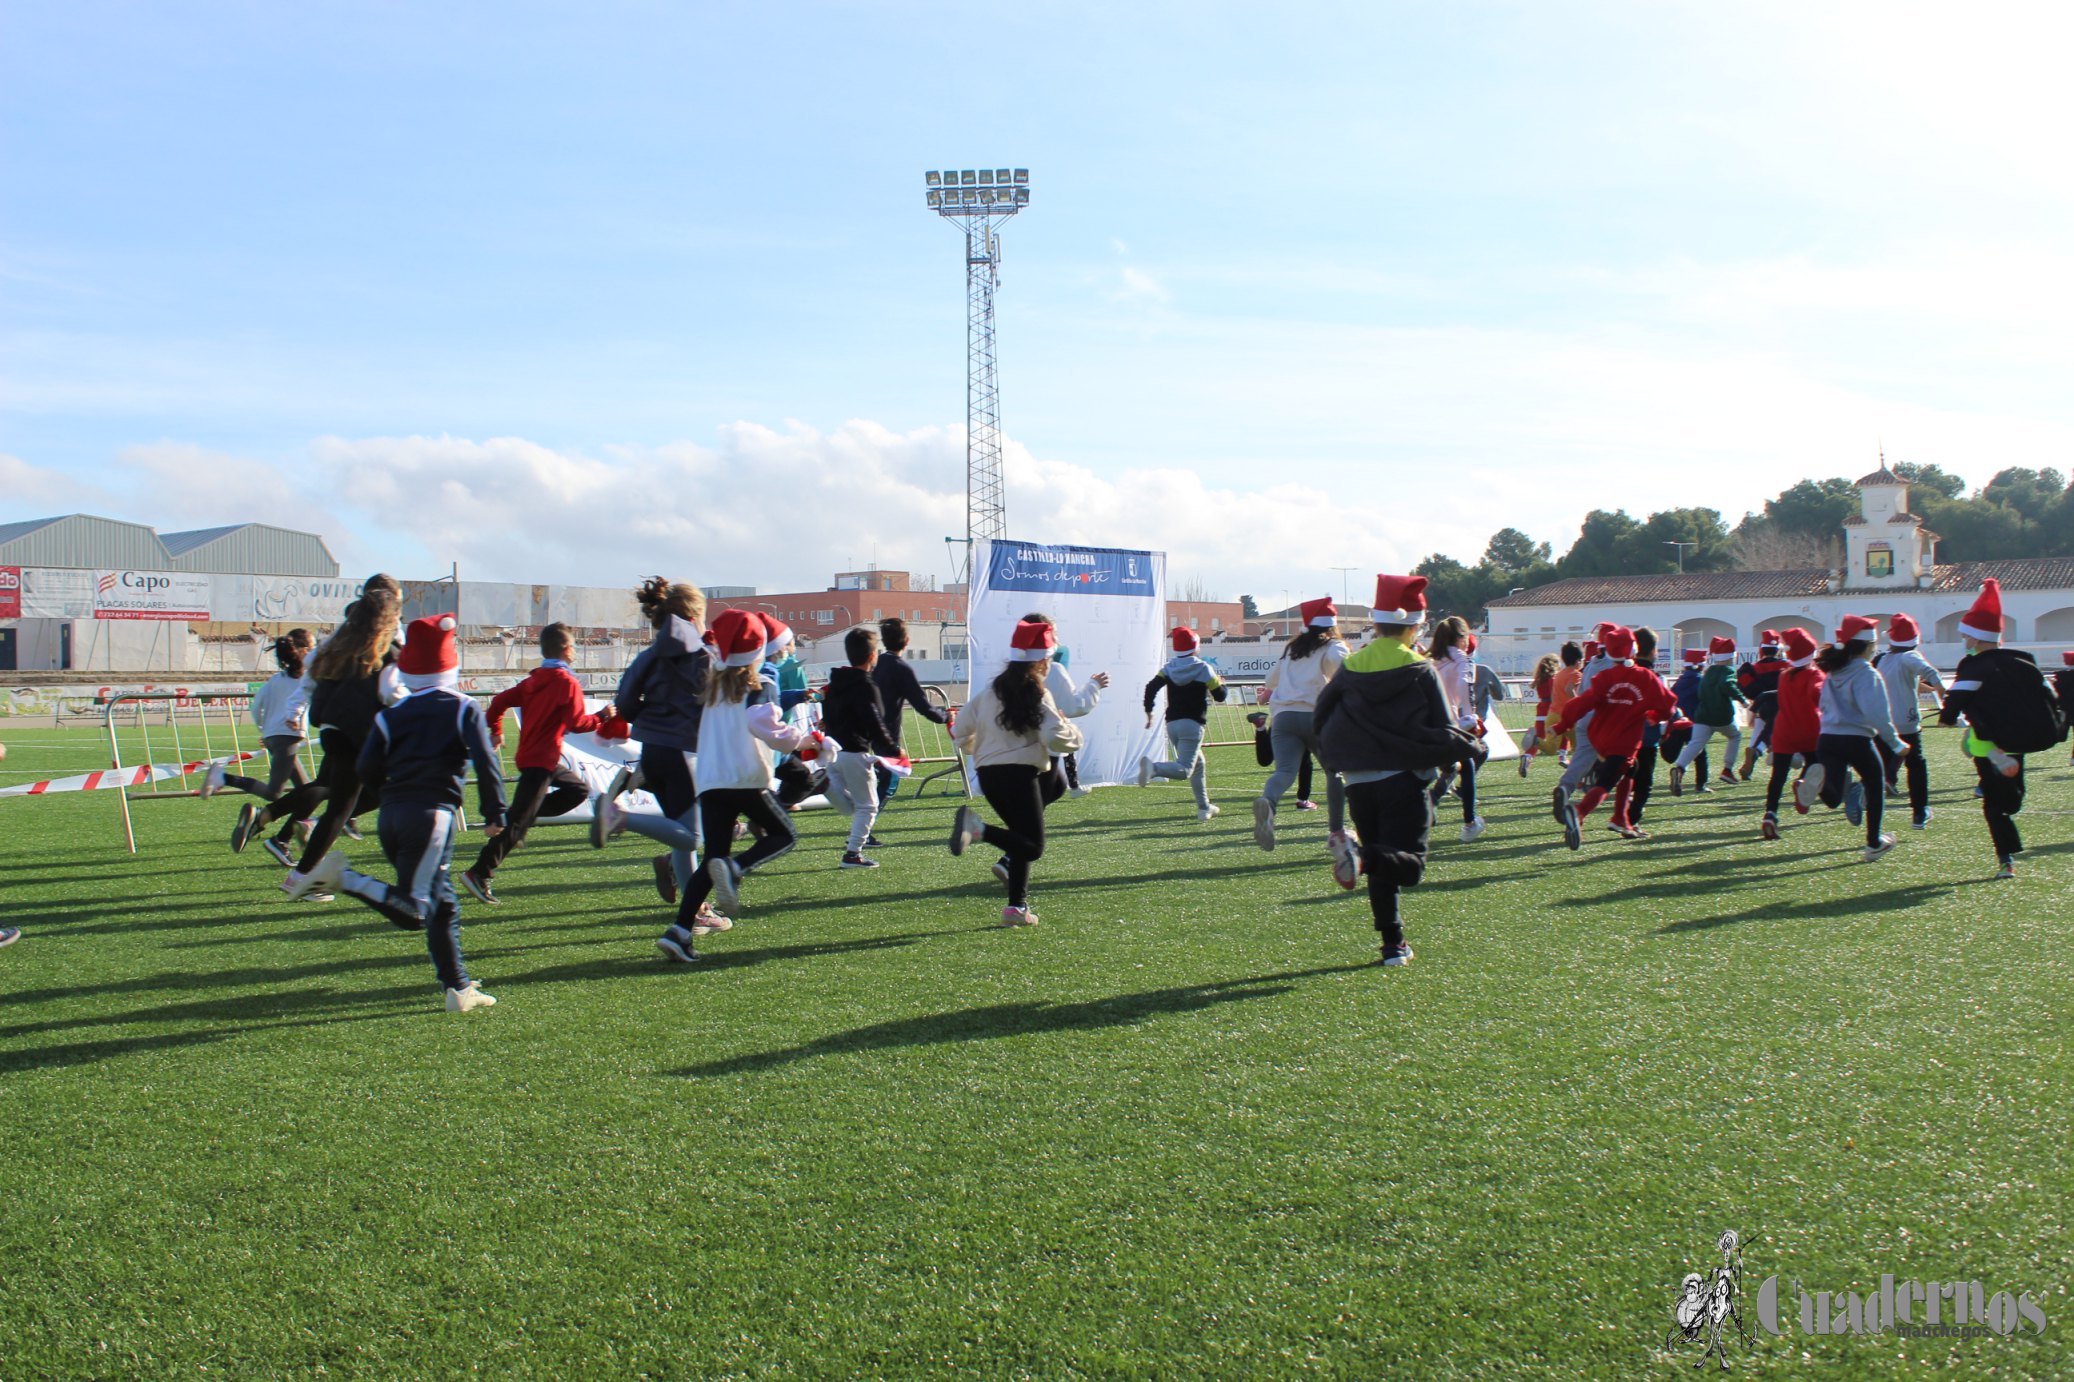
418 755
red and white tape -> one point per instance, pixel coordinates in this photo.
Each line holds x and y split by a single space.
117 777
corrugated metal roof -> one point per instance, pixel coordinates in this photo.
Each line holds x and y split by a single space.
84 540
1690 585
251 549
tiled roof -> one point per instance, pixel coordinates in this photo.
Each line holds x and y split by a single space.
2017 573
1692 585
1855 520
1882 476
1906 518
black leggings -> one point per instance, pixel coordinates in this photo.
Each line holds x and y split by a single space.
337 788
540 792
283 767
1775 787
1643 775
1393 817
1842 754
718 812
1019 793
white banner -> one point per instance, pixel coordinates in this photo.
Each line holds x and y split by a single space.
299 599
57 594
1111 610
151 595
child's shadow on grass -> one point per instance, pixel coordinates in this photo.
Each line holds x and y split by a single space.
1892 899
229 1017
998 1020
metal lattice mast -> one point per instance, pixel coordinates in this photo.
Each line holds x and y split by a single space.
983 199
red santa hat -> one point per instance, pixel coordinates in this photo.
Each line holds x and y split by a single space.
1471 645
1984 620
428 655
738 638
1799 646
1695 656
1620 643
1032 642
1721 649
1602 628
1399 600
1184 640
1319 614
1902 632
777 634
1768 638
1855 627
2067 658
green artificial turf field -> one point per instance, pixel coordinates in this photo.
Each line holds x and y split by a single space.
1185 1127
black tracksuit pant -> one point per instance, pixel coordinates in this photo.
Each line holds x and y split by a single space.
1393 817
1019 792
1918 769
2000 799
540 792
418 841
718 812
337 787
1643 775
1844 754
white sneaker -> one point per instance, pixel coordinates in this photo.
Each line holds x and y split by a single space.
708 922
1208 813
324 878
607 820
1346 858
1264 823
1144 772
1880 850
1001 868
468 999
1018 916
1472 830
1808 790
727 883
212 781
1080 791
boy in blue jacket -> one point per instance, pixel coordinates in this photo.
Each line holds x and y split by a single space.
417 756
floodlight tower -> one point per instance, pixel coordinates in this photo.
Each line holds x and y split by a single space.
983 199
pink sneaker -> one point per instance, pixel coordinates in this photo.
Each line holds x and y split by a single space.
1346 859
1018 916
1307 806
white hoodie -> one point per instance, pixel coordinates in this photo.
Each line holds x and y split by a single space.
281 707
1294 683
736 739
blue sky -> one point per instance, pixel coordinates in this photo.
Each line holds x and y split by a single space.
570 292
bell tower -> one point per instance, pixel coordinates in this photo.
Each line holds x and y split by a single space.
1886 546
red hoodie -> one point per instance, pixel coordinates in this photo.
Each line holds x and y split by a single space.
1622 700
1798 727
550 705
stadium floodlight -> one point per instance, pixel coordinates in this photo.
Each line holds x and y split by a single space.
983 198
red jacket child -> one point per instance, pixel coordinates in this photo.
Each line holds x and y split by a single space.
1622 700
1798 728
550 705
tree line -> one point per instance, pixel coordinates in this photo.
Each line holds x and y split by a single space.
2019 513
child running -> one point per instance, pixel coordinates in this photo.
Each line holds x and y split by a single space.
2009 711
853 716
1451 653
550 704
740 725
1008 733
1622 699
661 696
1796 731
1678 733
1543 685
417 756
1759 682
1716 714
2063 682
1855 718
281 710
1307 663
1191 684
1906 672
1385 727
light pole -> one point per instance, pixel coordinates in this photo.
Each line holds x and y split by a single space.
983 199
1681 546
1343 570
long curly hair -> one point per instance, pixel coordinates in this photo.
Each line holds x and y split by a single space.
1020 689
357 647
661 597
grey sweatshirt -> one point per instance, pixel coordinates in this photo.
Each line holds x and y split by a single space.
1903 672
1854 701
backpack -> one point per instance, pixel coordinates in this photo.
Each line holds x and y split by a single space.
2028 715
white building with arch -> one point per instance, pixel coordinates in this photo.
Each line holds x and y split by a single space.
1890 567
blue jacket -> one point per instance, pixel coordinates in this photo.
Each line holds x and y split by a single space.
660 693
419 750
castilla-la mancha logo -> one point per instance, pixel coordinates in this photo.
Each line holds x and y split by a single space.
1708 1304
